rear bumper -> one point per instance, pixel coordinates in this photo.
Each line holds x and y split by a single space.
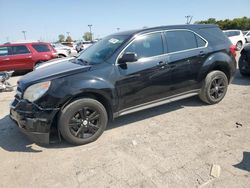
34 121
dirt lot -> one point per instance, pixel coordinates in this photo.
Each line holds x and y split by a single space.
174 145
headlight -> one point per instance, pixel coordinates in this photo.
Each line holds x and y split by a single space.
36 91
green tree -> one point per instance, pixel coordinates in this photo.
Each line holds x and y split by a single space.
69 39
87 36
61 38
237 23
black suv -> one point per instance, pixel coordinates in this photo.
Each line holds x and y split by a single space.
123 73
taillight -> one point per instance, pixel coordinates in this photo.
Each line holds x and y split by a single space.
233 50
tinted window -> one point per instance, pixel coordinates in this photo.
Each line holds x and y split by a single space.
4 51
248 34
214 36
180 40
232 33
146 45
19 50
41 47
200 41
103 49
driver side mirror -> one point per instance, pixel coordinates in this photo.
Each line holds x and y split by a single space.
127 57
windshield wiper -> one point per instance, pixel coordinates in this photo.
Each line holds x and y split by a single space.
83 61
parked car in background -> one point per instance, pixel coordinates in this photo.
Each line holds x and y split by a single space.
64 51
236 37
244 61
24 56
121 74
82 45
247 35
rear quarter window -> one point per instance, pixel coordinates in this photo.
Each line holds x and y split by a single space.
41 47
214 36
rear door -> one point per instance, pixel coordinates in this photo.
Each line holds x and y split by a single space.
21 58
185 59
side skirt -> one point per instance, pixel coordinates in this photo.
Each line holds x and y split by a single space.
156 103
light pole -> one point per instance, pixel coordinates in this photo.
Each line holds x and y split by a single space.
24 34
90 25
189 19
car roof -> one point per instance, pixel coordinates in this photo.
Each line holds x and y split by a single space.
231 30
168 27
22 43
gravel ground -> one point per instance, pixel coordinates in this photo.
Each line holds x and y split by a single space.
174 145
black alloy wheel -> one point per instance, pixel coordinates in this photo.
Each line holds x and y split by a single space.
214 87
85 123
217 89
82 121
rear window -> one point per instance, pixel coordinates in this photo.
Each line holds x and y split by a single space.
20 49
4 51
41 47
232 33
180 40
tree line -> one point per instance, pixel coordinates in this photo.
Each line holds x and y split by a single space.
87 37
236 23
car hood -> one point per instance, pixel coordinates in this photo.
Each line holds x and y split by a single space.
52 70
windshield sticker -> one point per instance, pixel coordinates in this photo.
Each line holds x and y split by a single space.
113 41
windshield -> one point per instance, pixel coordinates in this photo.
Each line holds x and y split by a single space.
103 49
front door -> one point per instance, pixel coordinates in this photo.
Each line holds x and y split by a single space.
144 80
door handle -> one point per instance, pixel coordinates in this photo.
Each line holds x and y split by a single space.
162 64
202 53
6 59
28 57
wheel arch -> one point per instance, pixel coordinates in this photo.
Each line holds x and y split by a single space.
220 61
93 95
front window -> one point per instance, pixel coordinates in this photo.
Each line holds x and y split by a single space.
4 51
103 49
146 45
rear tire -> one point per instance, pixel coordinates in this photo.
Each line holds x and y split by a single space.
214 87
239 45
242 64
83 121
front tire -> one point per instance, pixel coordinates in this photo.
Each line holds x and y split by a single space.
83 121
214 87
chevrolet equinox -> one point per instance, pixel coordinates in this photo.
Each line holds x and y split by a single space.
123 73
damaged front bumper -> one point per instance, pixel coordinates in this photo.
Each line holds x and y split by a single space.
33 120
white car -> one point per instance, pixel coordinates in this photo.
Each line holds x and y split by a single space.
63 50
236 37
247 35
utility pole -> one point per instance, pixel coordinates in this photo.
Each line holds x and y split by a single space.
24 34
90 25
189 19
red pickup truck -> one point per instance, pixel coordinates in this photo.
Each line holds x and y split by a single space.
24 56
